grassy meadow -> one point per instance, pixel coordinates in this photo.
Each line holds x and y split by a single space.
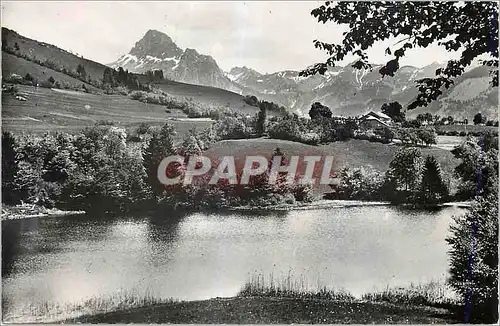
64 110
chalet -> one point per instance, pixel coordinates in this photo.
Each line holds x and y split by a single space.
373 120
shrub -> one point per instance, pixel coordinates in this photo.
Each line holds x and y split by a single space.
104 123
29 78
358 184
14 78
303 193
293 128
142 129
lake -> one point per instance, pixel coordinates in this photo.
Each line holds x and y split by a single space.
67 260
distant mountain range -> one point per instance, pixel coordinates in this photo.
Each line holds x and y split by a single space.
346 90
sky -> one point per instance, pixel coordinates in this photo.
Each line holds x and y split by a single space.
265 36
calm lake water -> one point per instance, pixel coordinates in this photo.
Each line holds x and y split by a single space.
69 260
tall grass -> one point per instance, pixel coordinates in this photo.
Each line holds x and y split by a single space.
434 293
45 311
291 287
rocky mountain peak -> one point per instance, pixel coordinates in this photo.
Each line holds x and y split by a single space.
156 44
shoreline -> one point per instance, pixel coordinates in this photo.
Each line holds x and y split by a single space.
33 211
334 203
25 211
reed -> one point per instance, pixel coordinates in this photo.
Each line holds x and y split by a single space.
46 312
290 286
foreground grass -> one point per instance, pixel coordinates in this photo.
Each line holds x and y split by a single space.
269 310
45 312
262 299
289 300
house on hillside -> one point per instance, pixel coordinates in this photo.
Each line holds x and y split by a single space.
374 120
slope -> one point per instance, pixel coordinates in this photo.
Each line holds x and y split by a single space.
44 51
15 65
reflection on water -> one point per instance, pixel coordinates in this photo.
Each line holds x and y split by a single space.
198 256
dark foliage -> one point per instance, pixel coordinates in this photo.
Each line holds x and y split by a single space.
261 119
394 110
474 259
433 189
319 111
478 118
9 168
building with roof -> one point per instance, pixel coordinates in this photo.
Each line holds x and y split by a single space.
374 120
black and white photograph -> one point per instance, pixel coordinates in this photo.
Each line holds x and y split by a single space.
249 162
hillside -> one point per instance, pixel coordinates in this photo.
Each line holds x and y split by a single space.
44 51
12 64
208 95
62 110
353 153
15 65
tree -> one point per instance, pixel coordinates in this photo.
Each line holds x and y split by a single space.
108 77
16 46
159 147
477 159
425 117
432 189
415 24
385 133
357 184
478 118
451 120
9 168
404 175
121 76
158 75
80 70
319 111
394 110
190 145
474 259
261 119
28 77
52 80
426 135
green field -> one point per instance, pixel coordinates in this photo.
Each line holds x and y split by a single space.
15 65
43 51
466 128
70 111
352 153
208 95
